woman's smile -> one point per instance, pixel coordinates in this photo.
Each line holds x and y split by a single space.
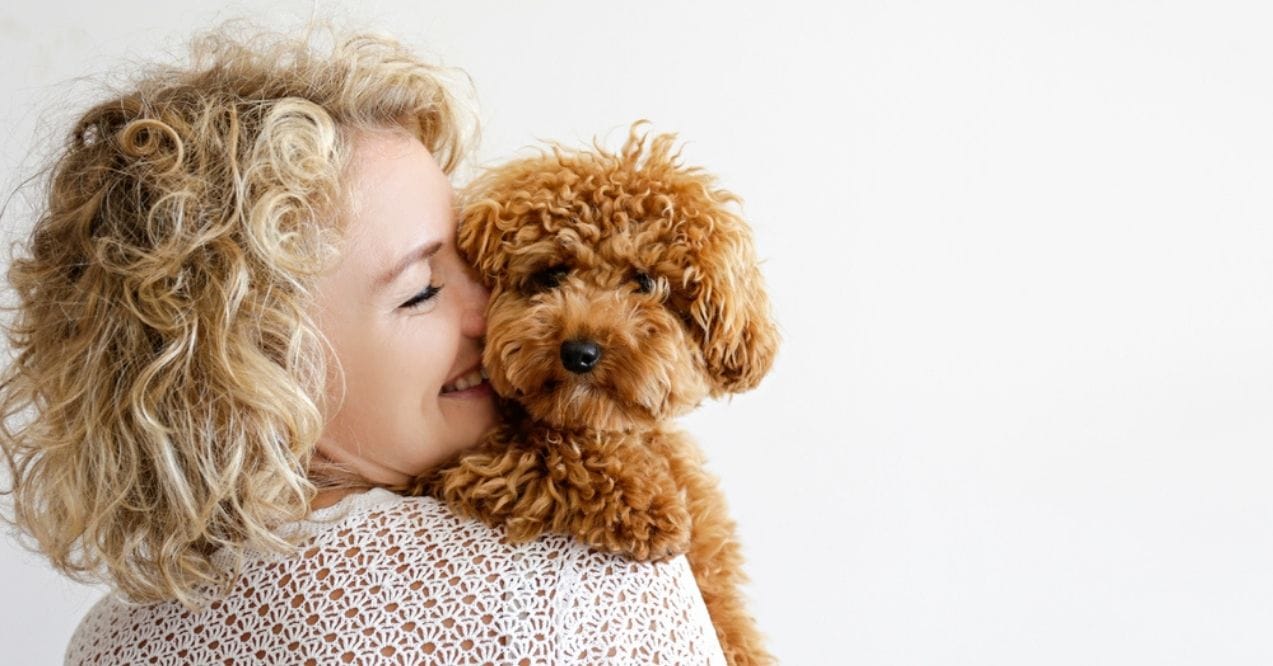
471 384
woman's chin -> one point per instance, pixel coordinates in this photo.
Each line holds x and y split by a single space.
472 411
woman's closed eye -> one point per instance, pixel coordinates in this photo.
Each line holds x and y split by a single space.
422 297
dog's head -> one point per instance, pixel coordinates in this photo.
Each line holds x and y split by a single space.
624 287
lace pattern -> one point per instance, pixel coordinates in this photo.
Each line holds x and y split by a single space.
401 580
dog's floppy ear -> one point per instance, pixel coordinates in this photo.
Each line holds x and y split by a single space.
729 309
505 207
492 209
478 237
722 297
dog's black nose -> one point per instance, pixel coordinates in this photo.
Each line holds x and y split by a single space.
579 356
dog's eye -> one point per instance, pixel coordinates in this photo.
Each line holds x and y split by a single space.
547 278
645 283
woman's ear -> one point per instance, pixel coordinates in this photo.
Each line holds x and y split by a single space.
729 312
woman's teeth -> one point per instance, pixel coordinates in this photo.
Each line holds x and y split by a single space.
467 381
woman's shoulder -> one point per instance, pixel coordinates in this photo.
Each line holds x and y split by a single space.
381 573
421 541
379 526
598 604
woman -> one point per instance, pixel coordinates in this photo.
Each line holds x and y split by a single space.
242 318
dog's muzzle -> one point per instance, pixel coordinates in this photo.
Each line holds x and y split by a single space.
580 356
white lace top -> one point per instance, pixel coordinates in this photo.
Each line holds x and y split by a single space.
388 579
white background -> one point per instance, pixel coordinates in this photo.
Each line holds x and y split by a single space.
1022 257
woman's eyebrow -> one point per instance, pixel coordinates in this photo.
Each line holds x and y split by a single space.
419 254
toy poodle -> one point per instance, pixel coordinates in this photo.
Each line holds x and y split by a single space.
625 289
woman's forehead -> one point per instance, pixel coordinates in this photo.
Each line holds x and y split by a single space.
401 200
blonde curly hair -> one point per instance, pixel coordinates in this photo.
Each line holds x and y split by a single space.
167 387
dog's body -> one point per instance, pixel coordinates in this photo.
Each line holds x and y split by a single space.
623 292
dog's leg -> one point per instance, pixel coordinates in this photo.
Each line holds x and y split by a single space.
715 555
488 483
618 496
605 489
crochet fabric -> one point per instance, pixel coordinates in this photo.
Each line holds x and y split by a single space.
388 579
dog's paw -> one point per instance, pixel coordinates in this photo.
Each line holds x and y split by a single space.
656 533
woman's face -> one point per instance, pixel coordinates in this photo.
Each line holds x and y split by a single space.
405 317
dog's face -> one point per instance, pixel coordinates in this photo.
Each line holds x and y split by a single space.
623 288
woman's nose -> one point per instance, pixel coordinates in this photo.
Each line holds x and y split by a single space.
473 320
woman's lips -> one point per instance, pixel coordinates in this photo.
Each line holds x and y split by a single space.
476 391
467 379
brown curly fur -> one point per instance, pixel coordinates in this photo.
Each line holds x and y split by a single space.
595 454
